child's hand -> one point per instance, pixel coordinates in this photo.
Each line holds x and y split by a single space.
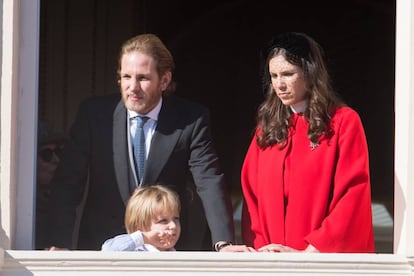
162 239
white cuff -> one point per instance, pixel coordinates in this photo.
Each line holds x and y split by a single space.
138 238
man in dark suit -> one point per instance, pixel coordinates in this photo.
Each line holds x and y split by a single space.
179 154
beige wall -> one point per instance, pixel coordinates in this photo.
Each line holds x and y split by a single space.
18 113
404 130
19 82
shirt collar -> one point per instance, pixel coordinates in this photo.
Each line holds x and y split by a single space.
153 114
300 107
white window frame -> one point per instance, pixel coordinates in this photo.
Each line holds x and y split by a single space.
19 85
19 103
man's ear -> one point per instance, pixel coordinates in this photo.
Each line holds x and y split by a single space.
165 80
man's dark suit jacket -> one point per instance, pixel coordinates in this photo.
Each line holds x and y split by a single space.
181 156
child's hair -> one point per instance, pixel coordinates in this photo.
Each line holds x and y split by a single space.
146 203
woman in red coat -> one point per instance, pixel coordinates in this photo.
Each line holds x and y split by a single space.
305 177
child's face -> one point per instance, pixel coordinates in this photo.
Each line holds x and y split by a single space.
167 222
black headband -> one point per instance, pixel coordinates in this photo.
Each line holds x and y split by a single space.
295 44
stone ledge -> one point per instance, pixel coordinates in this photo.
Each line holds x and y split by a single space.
199 263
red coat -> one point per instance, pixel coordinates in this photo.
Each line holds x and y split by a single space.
297 196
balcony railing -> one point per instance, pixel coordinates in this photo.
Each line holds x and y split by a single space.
13 262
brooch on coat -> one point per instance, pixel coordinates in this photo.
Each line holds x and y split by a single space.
314 145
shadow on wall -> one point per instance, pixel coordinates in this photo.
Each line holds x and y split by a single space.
4 239
402 204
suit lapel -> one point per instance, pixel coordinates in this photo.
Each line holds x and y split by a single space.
163 142
120 150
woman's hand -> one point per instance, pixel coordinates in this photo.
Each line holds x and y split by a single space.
277 248
283 248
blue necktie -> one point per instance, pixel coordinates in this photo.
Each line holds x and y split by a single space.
139 147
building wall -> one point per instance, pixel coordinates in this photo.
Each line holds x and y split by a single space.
19 101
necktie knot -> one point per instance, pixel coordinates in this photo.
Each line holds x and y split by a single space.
141 120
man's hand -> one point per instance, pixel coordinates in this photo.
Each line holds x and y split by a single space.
55 248
237 248
223 246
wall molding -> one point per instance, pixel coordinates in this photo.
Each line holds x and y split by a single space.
15 262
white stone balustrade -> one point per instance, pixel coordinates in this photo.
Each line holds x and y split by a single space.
78 263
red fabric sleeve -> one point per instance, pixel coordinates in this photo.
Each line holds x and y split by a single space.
348 225
251 230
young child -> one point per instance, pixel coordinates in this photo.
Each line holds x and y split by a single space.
152 221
